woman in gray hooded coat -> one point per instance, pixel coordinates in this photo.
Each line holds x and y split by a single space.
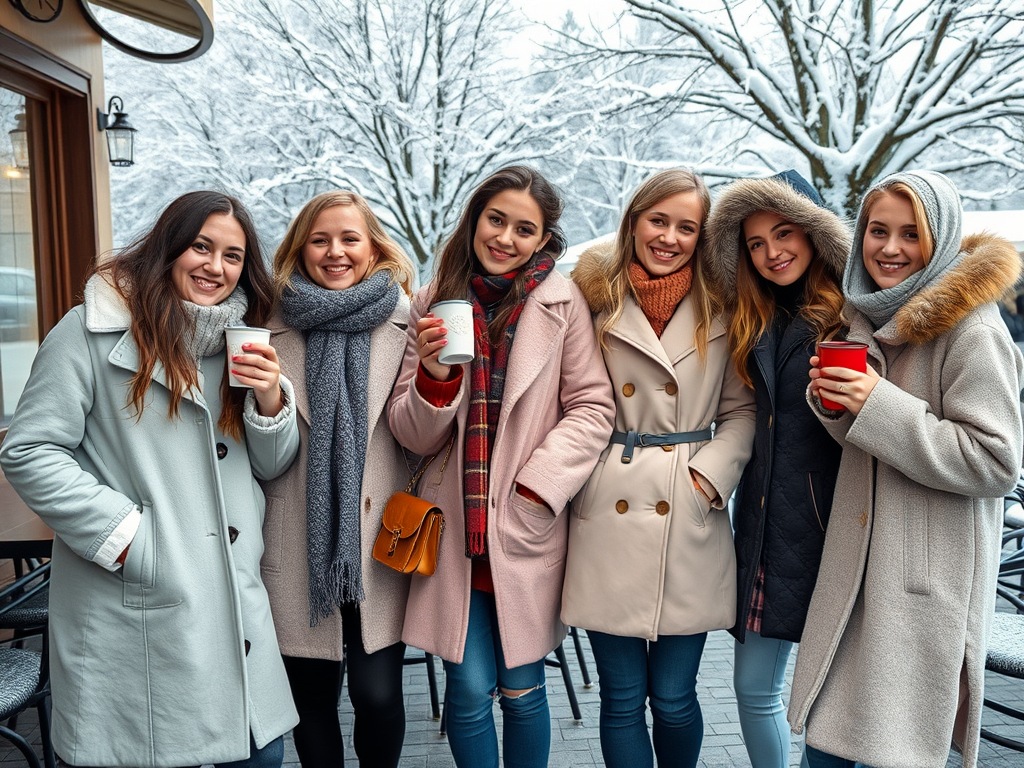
892 658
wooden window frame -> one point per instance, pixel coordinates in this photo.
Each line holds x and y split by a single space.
61 154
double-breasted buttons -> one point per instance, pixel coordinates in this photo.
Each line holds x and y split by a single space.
671 388
621 506
661 507
628 389
222 450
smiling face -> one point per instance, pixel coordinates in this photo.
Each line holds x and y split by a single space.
892 251
665 235
779 250
509 231
338 250
208 271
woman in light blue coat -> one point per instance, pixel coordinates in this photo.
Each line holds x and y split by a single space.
130 444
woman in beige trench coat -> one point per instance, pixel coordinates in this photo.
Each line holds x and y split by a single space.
891 664
340 330
651 566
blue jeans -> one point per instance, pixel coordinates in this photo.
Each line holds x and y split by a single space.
470 690
630 670
818 759
759 675
271 756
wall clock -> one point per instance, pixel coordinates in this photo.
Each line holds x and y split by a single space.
39 10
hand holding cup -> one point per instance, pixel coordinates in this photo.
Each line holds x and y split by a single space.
839 387
430 340
253 364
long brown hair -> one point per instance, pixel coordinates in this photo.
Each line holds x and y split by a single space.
388 254
755 307
457 260
706 304
160 325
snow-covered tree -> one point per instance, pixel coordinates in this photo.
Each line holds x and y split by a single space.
412 102
859 88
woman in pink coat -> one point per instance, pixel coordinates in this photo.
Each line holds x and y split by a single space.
529 417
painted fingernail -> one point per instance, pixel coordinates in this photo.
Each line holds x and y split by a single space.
443 342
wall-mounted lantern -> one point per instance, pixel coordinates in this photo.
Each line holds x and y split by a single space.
19 142
120 133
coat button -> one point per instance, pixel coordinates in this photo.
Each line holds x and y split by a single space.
661 507
769 421
667 448
621 506
671 388
367 504
232 533
762 501
628 389
222 450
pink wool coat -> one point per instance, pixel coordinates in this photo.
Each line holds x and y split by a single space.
556 418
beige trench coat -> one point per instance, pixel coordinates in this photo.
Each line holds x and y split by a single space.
906 591
284 566
647 555
556 416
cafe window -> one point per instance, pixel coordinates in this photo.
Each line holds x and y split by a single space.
19 309
48 228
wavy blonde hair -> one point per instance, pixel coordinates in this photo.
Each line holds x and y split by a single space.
389 254
707 304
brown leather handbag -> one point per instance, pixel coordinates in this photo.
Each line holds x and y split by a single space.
410 532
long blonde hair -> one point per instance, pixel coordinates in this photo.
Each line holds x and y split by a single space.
706 303
389 254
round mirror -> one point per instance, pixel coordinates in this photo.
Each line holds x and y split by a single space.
155 30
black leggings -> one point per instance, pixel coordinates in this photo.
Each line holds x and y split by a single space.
375 688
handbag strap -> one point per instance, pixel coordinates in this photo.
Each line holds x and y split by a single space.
423 467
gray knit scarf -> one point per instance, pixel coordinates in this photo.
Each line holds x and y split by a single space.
337 325
208 337
942 206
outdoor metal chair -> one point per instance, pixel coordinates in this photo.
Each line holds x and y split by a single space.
24 683
24 604
1006 645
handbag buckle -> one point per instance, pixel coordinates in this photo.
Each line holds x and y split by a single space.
395 536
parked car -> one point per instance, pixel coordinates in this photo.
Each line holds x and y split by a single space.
19 318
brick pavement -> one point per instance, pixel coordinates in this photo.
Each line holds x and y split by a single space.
575 744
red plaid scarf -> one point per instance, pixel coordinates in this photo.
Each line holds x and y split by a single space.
487 386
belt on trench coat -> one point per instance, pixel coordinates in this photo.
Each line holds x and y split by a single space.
632 439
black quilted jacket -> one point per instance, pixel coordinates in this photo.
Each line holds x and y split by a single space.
786 492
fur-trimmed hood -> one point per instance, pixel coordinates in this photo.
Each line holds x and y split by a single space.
592 274
989 266
829 234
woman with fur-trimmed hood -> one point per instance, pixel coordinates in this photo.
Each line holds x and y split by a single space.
779 254
650 567
892 658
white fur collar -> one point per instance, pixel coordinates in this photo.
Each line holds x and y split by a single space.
105 310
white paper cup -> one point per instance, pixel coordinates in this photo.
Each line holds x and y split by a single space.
458 319
237 335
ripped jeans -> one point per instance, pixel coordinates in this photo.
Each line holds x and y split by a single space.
469 699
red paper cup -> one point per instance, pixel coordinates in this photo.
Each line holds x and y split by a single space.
841 354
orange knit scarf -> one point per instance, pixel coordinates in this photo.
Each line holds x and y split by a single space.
658 297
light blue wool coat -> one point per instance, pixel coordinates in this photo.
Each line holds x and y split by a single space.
148 663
